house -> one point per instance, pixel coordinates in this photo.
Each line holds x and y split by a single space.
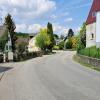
32 44
22 40
8 45
93 25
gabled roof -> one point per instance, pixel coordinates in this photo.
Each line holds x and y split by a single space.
95 8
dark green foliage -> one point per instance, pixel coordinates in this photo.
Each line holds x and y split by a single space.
69 44
50 34
91 52
61 45
10 24
1 58
56 36
83 34
70 33
81 44
3 40
83 39
11 27
23 35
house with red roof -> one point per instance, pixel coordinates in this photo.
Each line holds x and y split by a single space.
93 25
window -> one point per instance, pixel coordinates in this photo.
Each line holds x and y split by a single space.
92 35
6 47
94 14
10 47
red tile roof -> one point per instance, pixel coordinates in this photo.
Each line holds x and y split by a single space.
95 7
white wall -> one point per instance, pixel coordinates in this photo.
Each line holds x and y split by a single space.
90 29
32 47
98 29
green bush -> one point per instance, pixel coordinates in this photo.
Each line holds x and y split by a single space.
69 44
80 46
56 47
91 52
61 45
43 40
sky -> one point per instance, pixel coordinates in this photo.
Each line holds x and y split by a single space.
32 15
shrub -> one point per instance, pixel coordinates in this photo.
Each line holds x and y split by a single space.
43 40
56 47
69 44
74 42
61 45
91 52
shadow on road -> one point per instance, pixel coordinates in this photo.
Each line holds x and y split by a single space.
3 69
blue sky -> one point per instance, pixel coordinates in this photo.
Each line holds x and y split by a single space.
33 15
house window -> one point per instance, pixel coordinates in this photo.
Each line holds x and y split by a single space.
94 14
10 48
6 47
92 35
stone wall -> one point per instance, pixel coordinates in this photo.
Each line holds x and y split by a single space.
89 60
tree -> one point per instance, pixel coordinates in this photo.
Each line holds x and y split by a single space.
74 40
82 38
56 36
43 40
11 27
61 45
83 34
70 33
51 36
3 40
69 44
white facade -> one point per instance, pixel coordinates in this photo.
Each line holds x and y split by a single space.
93 32
91 35
8 46
98 29
32 46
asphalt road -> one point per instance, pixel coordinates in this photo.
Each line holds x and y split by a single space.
51 77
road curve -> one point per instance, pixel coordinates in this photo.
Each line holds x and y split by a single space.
51 77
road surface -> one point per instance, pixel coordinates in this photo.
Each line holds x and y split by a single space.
51 77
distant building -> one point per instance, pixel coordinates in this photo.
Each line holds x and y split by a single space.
32 44
93 25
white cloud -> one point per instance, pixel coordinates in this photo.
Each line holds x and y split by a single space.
53 16
77 29
59 29
33 28
68 19
21 27
27 8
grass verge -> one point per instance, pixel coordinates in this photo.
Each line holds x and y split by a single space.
77 59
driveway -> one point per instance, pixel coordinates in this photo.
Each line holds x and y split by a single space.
51 77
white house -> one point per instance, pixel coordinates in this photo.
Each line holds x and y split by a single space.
8 45
32 45
93 25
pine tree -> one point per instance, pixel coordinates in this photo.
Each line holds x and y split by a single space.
70 33
11 27
50 33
